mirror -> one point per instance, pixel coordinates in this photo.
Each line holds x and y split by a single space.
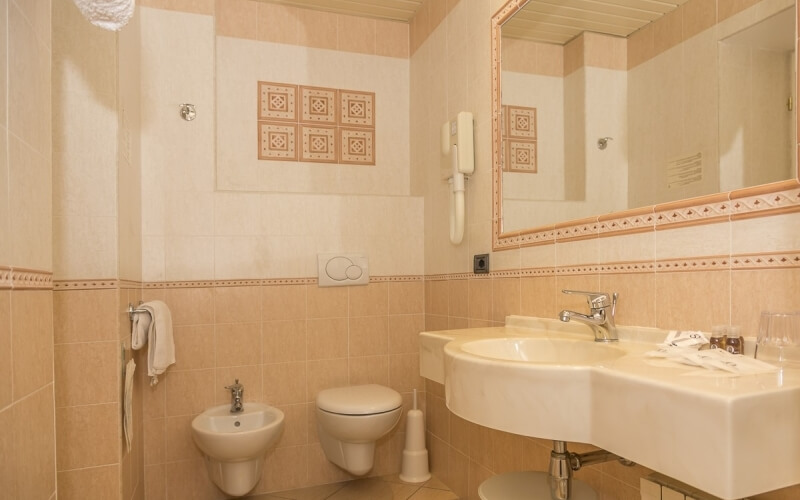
596 119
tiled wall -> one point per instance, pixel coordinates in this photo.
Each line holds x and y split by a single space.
27 412
687 277
91 329
285 343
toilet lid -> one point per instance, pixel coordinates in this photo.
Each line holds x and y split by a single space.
359 400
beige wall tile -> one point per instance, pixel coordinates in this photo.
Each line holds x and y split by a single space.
283 341
406 298
295 430
327 338
762 290
325 374
87 436
668 31
404 372
538 296
78 364
640 46
188 479
191 306
317 29
404 333
237 304
188 392
31 340
30 204
179 442
238 344
35 452
285 468
356 34
698 15
95 483
369 335
8 474
369 300
327 302
283 302
693 300
729 8
285 383
277 23
436 297
5 349
505 298
194 347
368 370
480 299
392 39
637 297
155 441
154 482
237 18
29 74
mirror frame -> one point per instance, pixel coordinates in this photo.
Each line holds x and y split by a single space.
756 201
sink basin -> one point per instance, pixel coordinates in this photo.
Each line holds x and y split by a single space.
547 379
543 350
237 436
235 444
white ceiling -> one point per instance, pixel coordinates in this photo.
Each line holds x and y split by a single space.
554 21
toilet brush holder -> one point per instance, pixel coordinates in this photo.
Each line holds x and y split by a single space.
415 456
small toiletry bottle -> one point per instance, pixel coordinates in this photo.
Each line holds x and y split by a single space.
718 336
734 343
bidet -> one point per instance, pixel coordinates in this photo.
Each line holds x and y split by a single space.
234 444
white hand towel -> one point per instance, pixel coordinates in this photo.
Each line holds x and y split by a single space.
157 322
110 15
127 408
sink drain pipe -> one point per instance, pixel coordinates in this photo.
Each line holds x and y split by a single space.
564 462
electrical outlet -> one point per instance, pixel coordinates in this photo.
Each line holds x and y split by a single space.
480 263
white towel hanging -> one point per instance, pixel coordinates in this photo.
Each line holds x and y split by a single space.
152 325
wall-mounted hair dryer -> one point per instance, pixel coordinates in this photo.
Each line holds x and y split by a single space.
458 148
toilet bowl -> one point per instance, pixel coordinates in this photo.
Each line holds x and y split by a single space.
351 419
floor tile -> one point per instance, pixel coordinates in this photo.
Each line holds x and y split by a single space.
374 489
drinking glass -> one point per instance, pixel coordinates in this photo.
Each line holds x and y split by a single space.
779 338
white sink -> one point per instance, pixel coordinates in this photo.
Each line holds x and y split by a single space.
235 443
547 379
543 350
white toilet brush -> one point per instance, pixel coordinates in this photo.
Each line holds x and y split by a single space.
415 455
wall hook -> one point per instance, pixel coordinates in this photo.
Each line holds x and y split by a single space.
602 143
188 112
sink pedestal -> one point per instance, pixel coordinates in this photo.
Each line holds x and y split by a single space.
235 478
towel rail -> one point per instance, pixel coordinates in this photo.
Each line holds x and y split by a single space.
134 310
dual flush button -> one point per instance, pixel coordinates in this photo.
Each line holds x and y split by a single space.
343 269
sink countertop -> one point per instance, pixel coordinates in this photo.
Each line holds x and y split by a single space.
682 421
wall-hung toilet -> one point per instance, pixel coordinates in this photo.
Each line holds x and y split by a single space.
351 419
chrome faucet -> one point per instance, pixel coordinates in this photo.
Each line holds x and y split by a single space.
600 319
237 396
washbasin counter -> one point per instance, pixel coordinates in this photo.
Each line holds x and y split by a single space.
729 435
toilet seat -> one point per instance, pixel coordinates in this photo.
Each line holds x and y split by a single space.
359 400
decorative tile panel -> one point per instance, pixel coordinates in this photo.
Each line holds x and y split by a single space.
357 146
318 105
518 136
319 144
315 124
357 109
277 101
277 141
521 122
521 156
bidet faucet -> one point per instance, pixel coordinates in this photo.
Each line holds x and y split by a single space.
237 396
600 319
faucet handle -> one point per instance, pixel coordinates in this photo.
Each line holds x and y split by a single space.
235 387
596 300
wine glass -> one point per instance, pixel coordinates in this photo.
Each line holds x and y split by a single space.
779 338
